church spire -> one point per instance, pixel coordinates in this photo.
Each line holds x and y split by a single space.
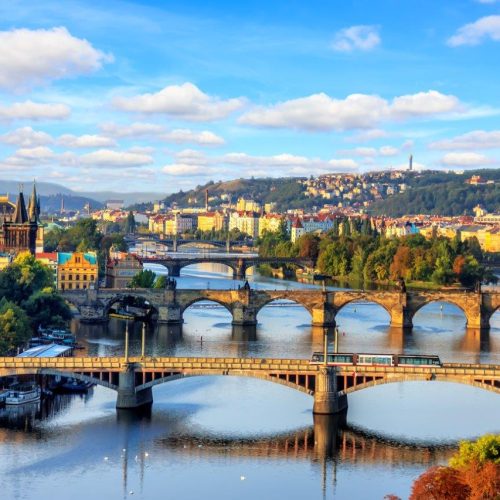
20 214
33 206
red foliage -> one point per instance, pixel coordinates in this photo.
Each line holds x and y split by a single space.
484 480
440 483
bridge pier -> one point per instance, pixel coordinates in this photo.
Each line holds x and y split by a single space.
323 316
174 270
401 317
244 315
327 400
128 397
170 314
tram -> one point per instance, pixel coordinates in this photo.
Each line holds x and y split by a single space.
351 359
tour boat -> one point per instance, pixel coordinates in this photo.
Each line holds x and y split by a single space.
23 393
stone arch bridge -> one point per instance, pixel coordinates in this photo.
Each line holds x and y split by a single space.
133 378
239 264
245 304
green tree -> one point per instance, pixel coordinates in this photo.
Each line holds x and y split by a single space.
15 328
484 449
47 308
143 279
161 282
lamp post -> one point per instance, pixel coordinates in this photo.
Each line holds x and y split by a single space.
126 342
143 343
325 347
336 340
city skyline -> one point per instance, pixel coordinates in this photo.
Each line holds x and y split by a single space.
303 91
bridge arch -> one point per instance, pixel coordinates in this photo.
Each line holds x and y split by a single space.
119 297
259 376
200 244
446 300
280 297
230 265
493 387
208 298
364 299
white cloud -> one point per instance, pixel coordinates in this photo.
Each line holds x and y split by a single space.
477 139
356 38
85 141
322 112
468 159
26 137
368 135
31 156
137 129
388 151
474 33
31 57
431 102
203 138
367 152
186 102
29 110
184 169
110 158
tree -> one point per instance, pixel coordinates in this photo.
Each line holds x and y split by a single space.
47 308
308 245
485 449
161 282
14 327
143 279
440 483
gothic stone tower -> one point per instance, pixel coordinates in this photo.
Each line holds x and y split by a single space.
20 230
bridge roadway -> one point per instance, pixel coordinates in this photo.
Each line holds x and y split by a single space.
245 304
133 378
239 264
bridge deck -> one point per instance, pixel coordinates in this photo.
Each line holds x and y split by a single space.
242 364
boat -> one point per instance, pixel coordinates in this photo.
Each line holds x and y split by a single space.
22 394
73 385
52 335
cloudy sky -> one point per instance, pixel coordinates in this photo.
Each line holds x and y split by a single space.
164 95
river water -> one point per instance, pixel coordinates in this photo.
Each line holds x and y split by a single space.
229 437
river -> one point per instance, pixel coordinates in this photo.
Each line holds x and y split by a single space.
226 438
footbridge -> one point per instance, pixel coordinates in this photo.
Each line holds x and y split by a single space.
244 304
239 264
134 378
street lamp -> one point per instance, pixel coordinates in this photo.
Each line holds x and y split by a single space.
325 347
143 343
126 342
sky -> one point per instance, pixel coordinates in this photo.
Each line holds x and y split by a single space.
166 95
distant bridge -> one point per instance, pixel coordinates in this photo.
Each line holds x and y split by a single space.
176 244
245 304
133 378
239 264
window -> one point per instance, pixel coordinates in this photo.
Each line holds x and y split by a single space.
77 286
92 278
77 277
70 286
70 277
84 277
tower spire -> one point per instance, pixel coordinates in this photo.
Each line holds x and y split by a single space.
20 214
33 205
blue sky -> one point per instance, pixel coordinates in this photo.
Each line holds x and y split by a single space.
165 95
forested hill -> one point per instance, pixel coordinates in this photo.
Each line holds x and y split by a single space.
286 192
444 194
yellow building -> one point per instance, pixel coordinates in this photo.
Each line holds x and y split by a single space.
77 270
270 223
244 205
5 260
245 222
209 221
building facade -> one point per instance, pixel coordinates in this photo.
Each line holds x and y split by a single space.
120 271
77 270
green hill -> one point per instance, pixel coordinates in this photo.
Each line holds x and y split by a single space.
444 194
